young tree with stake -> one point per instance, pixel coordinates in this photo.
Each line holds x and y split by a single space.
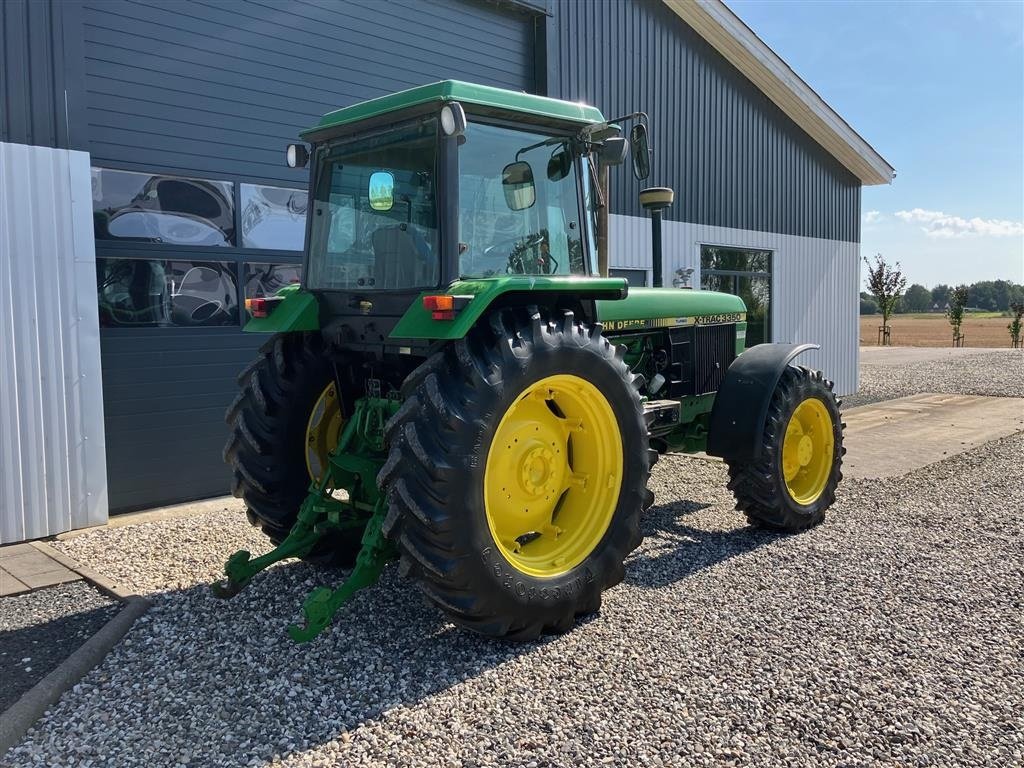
955 312
886 283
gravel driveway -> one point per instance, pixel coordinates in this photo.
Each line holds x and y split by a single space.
893 634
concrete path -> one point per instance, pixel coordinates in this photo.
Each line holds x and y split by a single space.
896 436
906 355
24 567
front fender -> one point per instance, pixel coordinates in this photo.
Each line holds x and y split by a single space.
741 404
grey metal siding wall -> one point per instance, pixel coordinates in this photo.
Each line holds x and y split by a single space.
221 88
52 470
31 74
734 159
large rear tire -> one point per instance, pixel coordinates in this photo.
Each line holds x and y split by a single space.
794 482
284 420
517 474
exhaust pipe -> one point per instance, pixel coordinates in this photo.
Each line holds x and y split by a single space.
656 200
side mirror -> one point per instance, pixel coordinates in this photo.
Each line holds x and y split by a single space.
382 191
559 164
613 151
641 151
517 183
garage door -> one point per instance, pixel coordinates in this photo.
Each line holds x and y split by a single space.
187 108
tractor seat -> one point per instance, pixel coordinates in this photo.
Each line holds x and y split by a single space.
402 258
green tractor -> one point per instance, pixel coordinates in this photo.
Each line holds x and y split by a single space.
457 383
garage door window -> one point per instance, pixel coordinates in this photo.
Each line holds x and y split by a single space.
746 273
268 279
151 208
273 217
137 293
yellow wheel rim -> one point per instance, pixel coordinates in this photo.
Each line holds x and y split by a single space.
807 451
553 474
323 431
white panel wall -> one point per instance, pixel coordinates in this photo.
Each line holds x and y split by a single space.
814 283
53 474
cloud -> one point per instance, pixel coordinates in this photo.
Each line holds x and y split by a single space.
870 217
939 224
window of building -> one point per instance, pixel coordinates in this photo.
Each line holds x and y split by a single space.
268 279
637 278
273 217
134 293
151 208
746 273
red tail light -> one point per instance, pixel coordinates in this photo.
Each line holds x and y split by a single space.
262 306
445 306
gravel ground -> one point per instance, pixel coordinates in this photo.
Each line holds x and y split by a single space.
38 630
1000 374
893 634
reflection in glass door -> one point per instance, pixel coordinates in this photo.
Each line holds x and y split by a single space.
747 274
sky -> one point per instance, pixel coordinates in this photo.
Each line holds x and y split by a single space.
937 88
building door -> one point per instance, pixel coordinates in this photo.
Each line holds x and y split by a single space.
746 273
187 113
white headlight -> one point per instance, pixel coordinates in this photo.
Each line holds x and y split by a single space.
297 155
453 119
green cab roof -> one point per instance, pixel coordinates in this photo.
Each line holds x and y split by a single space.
466 93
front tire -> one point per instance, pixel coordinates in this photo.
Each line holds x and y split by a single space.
517 474
794 481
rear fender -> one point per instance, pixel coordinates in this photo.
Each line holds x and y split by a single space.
299 311
741 404
475 297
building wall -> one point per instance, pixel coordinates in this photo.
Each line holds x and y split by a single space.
732 156
744 174
52 458
32 74
813 283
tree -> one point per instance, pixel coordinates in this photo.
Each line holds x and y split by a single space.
917 299
886 284
940 295
1015 326
955 314
868 306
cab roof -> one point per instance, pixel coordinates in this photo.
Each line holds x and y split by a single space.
465 93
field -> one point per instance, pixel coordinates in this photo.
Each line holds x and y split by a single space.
981 329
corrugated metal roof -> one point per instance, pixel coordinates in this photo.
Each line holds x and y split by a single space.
53 475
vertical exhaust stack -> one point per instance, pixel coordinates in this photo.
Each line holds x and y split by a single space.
656 200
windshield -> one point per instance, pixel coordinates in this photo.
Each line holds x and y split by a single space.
374 213
519 209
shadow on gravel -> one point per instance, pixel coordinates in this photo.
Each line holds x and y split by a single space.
29 654
676 550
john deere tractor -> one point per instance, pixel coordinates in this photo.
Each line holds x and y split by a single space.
457 383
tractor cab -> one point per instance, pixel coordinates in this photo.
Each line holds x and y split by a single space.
451 182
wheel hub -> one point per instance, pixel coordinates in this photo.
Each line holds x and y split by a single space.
808 449
539 473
